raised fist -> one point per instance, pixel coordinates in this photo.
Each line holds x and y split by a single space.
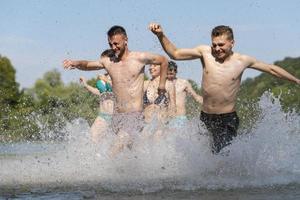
69 64
156 29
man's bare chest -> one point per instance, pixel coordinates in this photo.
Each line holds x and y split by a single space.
124 72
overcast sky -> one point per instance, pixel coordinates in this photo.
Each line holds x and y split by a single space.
37 35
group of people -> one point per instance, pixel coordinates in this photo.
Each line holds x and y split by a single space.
137 100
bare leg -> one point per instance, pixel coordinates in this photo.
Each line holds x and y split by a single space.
98 129
158 135
123 140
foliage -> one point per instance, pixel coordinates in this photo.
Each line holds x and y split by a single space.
193 108
287 92
41 112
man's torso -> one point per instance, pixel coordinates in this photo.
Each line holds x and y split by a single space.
127 80
220 83
181 93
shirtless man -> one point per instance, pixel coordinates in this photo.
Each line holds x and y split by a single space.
221 78
126 69
183 88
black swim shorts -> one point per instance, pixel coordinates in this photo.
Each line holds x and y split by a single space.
223 128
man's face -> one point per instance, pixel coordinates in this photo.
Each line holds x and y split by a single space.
171 74
221 47
118 43
154 70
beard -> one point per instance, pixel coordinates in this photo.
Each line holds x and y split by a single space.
113 57
117 56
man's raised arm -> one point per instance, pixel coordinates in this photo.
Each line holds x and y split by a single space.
82 65
273 70
171 49
163 61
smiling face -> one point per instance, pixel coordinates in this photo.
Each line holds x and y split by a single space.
118 43
154 70
221 47
222 42
171 74
172 70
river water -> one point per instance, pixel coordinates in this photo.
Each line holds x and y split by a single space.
262 164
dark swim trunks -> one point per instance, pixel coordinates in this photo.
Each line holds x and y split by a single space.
223 128
132 123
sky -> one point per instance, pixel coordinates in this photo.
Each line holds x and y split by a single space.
37 35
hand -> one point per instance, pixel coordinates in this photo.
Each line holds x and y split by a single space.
69 64
156 29
82 80
161 100
200 100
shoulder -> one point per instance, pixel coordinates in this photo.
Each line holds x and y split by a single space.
245 59
203 48
104 61
242 57
146 57
186 84
182 81
136 53
139 56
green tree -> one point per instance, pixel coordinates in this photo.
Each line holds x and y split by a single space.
57 104
9 93
9 88
287 92
193 108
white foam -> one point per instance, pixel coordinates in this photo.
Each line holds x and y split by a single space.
268 155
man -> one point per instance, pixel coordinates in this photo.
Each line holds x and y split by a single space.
183 88
126 69
221 78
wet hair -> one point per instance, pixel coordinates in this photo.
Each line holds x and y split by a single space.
172 65
114 30
222 30
108 52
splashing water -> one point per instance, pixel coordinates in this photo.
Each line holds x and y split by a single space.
268 155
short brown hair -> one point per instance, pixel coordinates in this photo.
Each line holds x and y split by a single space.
114 30
222 30
172 65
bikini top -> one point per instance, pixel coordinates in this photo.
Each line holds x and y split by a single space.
151 92
103 86
146 101
161 99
